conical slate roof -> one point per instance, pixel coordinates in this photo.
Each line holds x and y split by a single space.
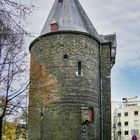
69 15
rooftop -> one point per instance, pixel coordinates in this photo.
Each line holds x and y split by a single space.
69 15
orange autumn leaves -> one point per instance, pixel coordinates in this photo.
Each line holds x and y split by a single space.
43 86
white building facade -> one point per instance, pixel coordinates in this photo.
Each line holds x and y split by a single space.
126 119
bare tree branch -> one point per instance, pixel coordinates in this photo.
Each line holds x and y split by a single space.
12 58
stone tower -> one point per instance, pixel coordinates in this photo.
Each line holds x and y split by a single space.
69 97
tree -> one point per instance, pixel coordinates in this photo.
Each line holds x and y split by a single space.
12 58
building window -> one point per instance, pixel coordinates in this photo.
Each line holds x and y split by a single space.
53 26
126 132
119 114
114 125
119 123
87 115
135 112
79 68
125 113
126 123
119 133
136 122
65 56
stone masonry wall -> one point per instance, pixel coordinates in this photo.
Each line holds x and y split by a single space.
57 94
106 73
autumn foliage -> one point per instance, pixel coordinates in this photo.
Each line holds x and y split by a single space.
43 87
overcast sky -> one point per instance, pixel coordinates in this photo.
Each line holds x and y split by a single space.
109 16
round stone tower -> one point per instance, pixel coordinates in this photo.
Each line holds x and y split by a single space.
68 76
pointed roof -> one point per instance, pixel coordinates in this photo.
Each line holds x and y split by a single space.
69 15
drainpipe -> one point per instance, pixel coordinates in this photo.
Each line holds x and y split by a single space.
101 92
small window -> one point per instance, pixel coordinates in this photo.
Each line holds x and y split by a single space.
53 26
114 125
135 112
119 123
65 56
125 113
79 68
119 114
87 115
126 123
126 132
119 133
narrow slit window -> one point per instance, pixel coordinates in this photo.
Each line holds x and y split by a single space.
79 68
